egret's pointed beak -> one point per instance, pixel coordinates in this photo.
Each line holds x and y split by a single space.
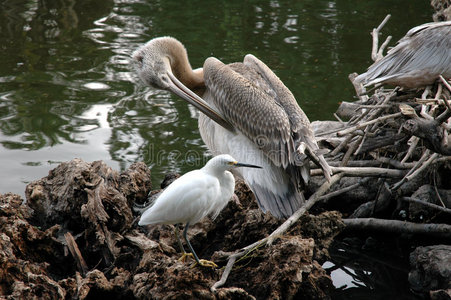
185 93
247 165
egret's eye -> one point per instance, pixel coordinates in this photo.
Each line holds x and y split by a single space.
231 163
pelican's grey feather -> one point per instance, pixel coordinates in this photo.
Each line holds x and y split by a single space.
417 60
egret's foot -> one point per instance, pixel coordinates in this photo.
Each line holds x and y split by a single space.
207 263
185 255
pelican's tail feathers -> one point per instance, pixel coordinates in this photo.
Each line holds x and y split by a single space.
280 206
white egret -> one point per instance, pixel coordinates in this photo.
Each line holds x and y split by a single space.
246 112
193 196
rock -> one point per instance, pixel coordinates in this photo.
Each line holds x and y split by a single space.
283 271
440 294
431 270
324 228
25 254
168 179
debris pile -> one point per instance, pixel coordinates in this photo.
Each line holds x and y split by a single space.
76 236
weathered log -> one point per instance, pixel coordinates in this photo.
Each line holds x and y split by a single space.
363 124
430 132
347 109
395 226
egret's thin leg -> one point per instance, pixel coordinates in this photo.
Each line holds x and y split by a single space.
184 254
188 243
202 262
177 235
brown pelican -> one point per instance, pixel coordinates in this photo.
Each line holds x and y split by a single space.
417 60
247 112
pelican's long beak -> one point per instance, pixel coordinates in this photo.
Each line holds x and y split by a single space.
237 164
183 92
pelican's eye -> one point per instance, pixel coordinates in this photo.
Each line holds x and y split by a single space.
138 58
164 80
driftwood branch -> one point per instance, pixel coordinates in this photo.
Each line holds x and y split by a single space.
76 254
360 90
421 165
430 205
376 53
445 82
362 125
364 172
399 227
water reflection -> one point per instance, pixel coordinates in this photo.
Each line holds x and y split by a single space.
371 269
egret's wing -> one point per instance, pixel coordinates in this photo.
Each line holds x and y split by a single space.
188 198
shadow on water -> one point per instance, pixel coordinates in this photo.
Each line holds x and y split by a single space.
370 268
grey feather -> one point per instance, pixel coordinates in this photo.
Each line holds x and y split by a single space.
274 120
417 60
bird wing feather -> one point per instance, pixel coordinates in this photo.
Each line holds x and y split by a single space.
265 122
188 198
258 104
417 59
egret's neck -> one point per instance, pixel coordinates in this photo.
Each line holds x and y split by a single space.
182 69
214 170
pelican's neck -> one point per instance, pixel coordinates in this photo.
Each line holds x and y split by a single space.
181 68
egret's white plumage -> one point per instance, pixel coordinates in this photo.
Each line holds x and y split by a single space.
246 111
195 195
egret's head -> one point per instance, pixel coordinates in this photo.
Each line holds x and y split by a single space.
153 60
226 162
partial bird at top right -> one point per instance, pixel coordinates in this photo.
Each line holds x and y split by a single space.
417 60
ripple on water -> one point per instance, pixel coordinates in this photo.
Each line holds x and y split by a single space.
99 86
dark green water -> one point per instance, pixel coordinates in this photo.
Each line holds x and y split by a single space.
67 89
